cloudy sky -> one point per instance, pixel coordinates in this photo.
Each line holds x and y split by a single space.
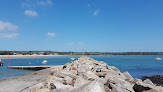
73 25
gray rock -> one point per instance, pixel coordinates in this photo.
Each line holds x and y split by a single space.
151 90
79 81
85 68
148 81
117 88
101 80
100 63
67 80
101 69
89 75
59 85
127 75
101 74
52 86
139 88
63 74
63 90
93 86
114 68
42 90
37 88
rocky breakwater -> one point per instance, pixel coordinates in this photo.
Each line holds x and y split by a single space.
88 75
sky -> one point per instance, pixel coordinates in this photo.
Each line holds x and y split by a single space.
74 25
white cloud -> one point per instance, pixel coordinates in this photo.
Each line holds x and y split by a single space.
96 12
50 34
30 5
8 30
31 13
33 4
8 26
9 35
45 2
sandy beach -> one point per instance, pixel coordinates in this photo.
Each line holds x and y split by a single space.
26 56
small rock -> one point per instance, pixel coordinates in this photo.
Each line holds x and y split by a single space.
52 86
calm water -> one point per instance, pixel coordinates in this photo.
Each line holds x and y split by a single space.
137 66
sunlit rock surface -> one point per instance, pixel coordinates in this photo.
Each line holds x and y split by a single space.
88 75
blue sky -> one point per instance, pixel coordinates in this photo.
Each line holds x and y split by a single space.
73 25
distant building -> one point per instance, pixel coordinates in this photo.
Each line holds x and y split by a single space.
41 53
18 54
55 54
14 53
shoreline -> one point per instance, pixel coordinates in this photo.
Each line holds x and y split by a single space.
27 56
42 56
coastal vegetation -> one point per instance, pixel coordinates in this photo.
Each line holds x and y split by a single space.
75 53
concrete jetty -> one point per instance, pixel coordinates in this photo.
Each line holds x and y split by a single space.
30 67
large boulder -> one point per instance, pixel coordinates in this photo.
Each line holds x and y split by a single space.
148 81
79 81
127 75
118 88
114 68
62 90
58 85
151 90
63 74
100 69
89 75
85 68
93 86
67 80
119 85
100 63
37 88
141 86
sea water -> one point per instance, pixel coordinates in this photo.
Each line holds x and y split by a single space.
137 66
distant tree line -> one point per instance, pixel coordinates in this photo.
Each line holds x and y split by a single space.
76 53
